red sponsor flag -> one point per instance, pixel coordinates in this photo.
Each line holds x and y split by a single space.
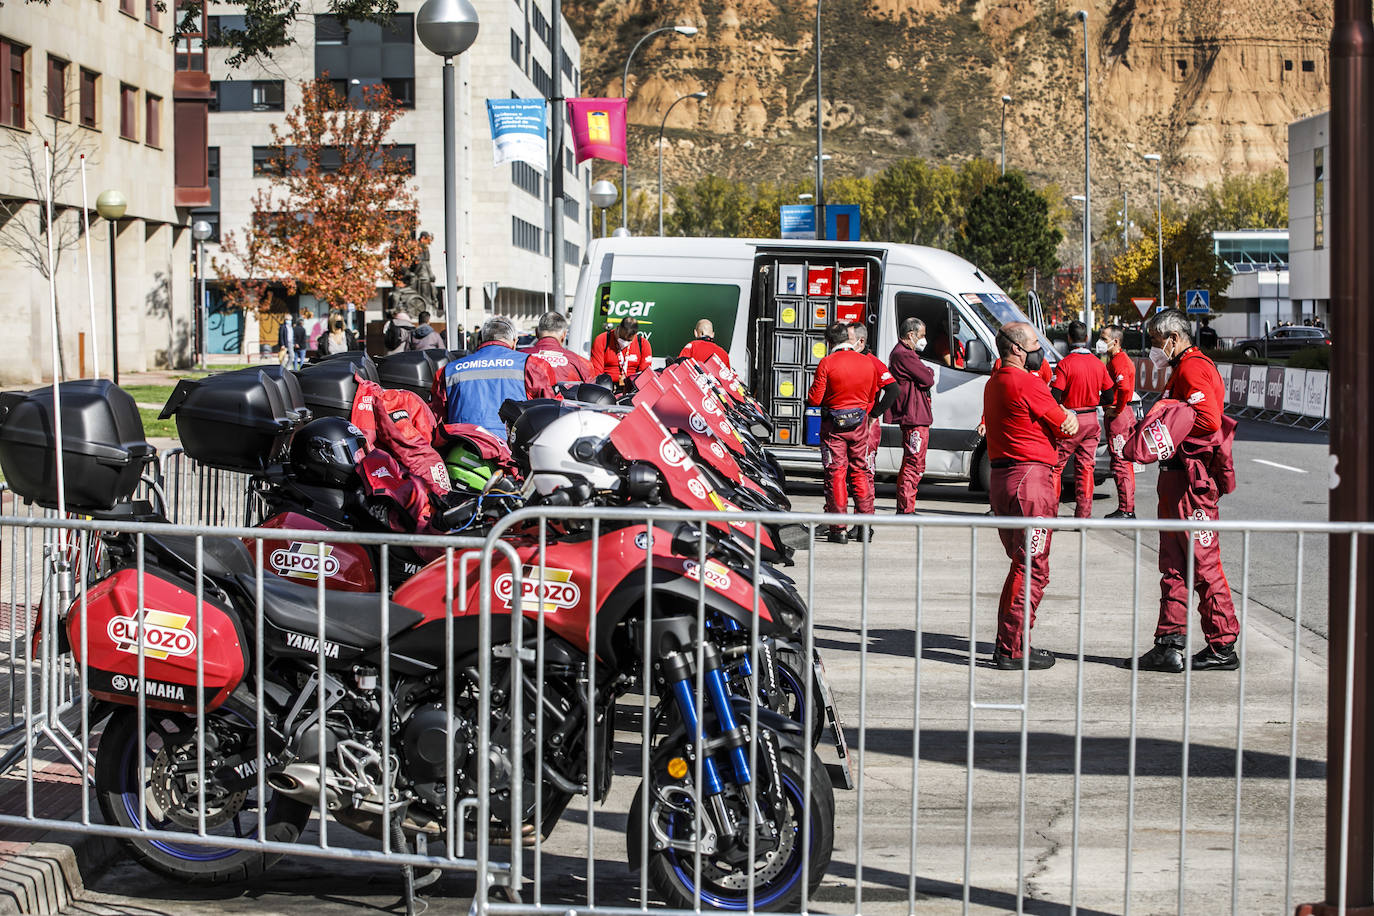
598 127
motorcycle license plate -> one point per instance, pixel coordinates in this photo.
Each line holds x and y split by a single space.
846 772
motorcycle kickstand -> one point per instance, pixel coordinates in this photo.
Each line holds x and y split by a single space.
412 884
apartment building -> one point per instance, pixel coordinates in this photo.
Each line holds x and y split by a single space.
504 238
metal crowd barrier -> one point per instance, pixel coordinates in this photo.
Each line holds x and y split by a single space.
1169 793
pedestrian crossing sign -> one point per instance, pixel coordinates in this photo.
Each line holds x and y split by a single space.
1199 301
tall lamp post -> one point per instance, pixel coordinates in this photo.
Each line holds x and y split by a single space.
688 30
661 126
448 28
1159 217
603 195
820 152
1087 188
111 205
200 231
1006 100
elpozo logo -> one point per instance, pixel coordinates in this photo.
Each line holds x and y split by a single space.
672 453
303 561
161 633
717 575
698 423
557 590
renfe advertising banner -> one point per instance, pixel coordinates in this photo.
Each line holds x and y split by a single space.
518 131
598 128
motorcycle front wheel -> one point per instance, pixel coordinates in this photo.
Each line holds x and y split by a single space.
777 874
168 799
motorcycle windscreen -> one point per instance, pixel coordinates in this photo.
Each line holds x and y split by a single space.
166 630
673 409
705 403
727 377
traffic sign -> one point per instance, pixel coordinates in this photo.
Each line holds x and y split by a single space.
1143 306
1199 301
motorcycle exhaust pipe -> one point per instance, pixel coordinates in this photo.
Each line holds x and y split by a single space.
285 784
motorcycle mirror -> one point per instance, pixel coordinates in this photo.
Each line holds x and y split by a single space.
686 541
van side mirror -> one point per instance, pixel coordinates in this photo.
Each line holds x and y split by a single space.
977 356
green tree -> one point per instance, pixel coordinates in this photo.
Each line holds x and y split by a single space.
914 201
1246 202
1007 232
709 206
1188 255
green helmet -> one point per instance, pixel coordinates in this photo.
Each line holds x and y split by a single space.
467 469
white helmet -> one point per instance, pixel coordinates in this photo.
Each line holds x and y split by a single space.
567 450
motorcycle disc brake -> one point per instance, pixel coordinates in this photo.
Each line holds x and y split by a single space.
178 799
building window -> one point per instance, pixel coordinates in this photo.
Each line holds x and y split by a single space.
88 91
517 50
571 209
402 90
268 161
1319 198
366 54
128 112
129 8
571 253
1182 67
151 14
190 40
542 82
1309 66
526 235
269 95
330 31
404 153
254 95
568 160
57 88
527 178
152 116
541 26
567 67
1288 65
12 110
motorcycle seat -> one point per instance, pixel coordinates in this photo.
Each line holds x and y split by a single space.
220 556
351 618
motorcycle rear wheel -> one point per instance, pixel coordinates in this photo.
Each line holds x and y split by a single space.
173 853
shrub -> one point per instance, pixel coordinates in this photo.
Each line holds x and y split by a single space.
1311 358
1239 358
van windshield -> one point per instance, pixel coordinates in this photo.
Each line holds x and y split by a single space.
998 309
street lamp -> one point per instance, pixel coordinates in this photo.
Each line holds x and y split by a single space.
820 152
688 30
1087 188
603 195
661 126
1159 217
200 231
111 205
1006 100
448 28
819 199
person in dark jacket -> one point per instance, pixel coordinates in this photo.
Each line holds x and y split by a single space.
911 411
295 344
565 365
424 337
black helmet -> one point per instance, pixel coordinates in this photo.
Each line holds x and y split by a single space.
326 452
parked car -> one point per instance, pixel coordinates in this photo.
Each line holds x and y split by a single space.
1283 342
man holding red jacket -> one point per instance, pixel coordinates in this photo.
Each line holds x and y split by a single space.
911 409
846 388
1120 418
1023 419
1080 380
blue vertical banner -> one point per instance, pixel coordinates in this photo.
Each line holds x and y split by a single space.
797 221
519 131
842 222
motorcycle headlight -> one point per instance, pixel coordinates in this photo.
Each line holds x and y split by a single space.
785 606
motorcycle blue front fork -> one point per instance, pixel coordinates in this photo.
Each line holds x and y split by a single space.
719 698
734 626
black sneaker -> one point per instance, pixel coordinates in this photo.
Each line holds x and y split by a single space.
1040 659
1217 658
862 533
1166 657
838 536
1120 513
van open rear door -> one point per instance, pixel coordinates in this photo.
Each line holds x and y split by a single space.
797 292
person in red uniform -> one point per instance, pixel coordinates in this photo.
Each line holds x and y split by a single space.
858 336
564 364
911 410
1120 418
622 352
1023 420
704 346
846 388
1186 490
1080 380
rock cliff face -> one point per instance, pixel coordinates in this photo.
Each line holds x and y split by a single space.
1210 84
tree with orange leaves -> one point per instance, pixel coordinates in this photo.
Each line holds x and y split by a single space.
338 206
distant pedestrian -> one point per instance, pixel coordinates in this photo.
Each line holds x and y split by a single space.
336 341
704 346
424 337
397 331
911 411
846 388
1023 420
1193 476
1120 418
291 339
622 352
858 336
1206 336
1079 383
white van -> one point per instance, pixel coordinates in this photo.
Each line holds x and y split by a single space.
770 302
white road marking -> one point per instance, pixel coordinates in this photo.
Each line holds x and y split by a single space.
1281 467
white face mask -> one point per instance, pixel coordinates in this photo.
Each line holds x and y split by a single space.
920 344
1101 347
1159 357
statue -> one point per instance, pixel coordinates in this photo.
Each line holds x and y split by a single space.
415 290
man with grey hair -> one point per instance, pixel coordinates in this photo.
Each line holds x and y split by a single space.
475 386
911 411
565 365
1189 489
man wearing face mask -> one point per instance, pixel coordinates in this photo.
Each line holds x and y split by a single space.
1188 490
1023 420
858 336
911 411
1079 383
1120 418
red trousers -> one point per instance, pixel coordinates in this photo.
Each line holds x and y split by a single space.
1028 491
915 440
875 438
1119 429
1179 500
1081 448
844 455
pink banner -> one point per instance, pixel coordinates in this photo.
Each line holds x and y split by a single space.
598 127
